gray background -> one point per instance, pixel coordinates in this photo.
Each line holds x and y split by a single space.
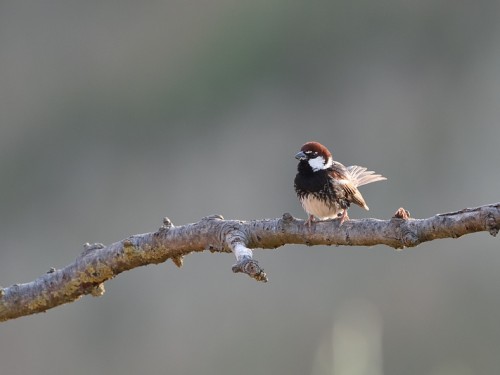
115 114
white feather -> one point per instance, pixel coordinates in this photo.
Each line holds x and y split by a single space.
318 208
360 176
318 163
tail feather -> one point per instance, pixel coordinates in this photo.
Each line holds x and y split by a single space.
360 176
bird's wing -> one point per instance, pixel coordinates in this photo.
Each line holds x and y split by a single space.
341 177
360 176
339 171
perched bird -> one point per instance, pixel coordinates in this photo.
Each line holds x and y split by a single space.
325 187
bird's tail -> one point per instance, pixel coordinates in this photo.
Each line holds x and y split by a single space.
360 176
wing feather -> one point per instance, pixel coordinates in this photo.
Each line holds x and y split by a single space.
360 176
342 178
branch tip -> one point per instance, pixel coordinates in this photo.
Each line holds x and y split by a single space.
98 291
250 267
492 225
178 260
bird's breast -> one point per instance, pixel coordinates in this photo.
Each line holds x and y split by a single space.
321 208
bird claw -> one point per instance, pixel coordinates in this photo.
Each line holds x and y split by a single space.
309 221
344 217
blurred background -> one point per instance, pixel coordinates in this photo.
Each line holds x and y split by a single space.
116 114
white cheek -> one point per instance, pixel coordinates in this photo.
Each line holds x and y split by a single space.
317 163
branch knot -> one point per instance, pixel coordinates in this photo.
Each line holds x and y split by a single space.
167 225
492 225
287 218
212 217
409 238
401 213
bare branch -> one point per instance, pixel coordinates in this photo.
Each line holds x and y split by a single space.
99 263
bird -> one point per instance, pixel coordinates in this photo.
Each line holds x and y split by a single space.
326 188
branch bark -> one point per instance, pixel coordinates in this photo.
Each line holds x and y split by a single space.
99 263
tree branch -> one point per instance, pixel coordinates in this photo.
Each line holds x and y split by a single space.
99 263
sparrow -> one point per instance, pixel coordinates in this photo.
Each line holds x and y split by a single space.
326 188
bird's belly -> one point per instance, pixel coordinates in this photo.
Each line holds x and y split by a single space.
320 208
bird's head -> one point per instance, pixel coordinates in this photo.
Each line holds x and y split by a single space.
316 155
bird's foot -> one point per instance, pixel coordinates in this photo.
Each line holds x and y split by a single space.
344 217
310 221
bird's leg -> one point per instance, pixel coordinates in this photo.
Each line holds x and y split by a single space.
310 221
344 216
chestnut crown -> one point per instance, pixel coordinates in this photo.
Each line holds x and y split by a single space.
316 155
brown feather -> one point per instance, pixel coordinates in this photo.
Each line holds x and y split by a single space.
342 176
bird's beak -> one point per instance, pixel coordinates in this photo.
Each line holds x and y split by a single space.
300 155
